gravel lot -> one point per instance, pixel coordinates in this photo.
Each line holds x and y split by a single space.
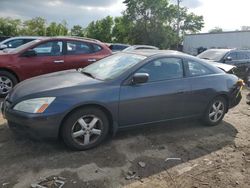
208 157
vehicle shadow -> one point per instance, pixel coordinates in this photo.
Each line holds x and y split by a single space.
152 144
185 140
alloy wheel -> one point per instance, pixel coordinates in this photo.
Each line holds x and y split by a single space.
216 111
87 130
6 85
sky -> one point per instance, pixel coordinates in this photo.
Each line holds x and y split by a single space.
227 14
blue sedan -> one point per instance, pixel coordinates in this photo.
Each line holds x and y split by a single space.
123 90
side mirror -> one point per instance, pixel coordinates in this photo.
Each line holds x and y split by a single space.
3 46
29 53
140 78
228 58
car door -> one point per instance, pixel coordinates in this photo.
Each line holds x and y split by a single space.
80 54
162 97
49 58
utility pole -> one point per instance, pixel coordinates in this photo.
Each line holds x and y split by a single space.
178 21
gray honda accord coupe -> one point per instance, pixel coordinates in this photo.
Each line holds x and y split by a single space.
123 90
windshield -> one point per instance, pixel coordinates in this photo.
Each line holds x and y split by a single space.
20 48
112 66
215 55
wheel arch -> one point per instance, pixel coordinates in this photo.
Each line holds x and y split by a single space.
226 97
10 71
101 107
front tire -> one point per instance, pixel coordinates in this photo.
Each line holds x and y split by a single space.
7 82
215 111
85 128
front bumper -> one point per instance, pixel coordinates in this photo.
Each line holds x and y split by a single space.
37 126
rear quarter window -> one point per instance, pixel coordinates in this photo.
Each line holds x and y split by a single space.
96 48
80 48
195 68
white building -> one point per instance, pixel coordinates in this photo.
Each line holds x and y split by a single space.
233 39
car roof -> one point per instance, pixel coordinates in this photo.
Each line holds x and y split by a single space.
228 50
219 50
119 44
74 38
53 38
241 50
144 46
20 37
149 53
25 37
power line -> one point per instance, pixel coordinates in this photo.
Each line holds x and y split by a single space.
178 17
178 21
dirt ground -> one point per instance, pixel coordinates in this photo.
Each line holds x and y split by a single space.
177 154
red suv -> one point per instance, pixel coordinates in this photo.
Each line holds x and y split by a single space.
47 55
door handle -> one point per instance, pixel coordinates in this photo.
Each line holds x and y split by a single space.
58 61
91 60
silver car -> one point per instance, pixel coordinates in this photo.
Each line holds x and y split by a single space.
14 42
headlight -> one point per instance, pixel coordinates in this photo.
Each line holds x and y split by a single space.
37 105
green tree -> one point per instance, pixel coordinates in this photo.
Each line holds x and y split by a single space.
51 29
155 22
121 30
62 28
77 30
34 27
191 23
101 29
55 29
9 27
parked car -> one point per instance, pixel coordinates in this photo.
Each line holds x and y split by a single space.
47 55
116 47
2 38
14 42
120 91
239 58
140 47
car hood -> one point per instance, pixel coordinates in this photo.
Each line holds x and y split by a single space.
223 66
49 82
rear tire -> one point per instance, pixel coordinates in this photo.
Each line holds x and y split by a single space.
215 111
85 128
7 82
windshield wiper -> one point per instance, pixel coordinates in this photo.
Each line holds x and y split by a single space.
88 74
